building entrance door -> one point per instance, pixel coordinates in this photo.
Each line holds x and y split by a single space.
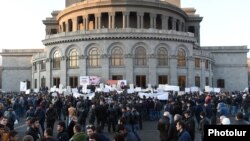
141 81
182 82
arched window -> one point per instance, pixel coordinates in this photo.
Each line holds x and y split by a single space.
162 55
56 59
73 58
181 58
116 57
140 56
94 57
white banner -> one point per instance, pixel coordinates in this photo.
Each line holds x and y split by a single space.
121 83
84 80
172 88
159 95
217 90
194 89
23 86
207 89
187 90
131 86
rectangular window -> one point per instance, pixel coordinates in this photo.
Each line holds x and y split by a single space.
43 82
73 81
207 81
56 63
191 29
221 83
56 81
35 84
197 62
197 81
140 61
43 65
162 79
117 77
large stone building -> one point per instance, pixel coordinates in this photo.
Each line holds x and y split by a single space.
141 41
16 67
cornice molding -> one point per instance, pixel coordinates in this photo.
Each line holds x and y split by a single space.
120 34
16 68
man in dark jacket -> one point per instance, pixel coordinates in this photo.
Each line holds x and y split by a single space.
48 134
172 132
34 129
240 119
204 121
51 116
183 134
190 124
163 126
62 134
40 114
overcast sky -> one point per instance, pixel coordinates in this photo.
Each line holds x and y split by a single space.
225 22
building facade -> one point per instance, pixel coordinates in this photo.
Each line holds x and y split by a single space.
141 41
16 67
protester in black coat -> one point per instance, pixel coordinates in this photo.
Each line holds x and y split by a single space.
163 126
62 134
172 132
34 129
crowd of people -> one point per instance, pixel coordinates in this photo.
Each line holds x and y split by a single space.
122 115
188 114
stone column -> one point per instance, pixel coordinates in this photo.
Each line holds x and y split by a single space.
190 72
83 65
105 66
164 22
63 68
84 23
173 24
138 20
129 68
48 77
74 24
99 21
173 70
96 22
87 22
182 27
111 20
179 26
38 71
125 20
152 20
152 61
141 19
203 76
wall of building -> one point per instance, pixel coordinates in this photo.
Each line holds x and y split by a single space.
16 67
231 65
